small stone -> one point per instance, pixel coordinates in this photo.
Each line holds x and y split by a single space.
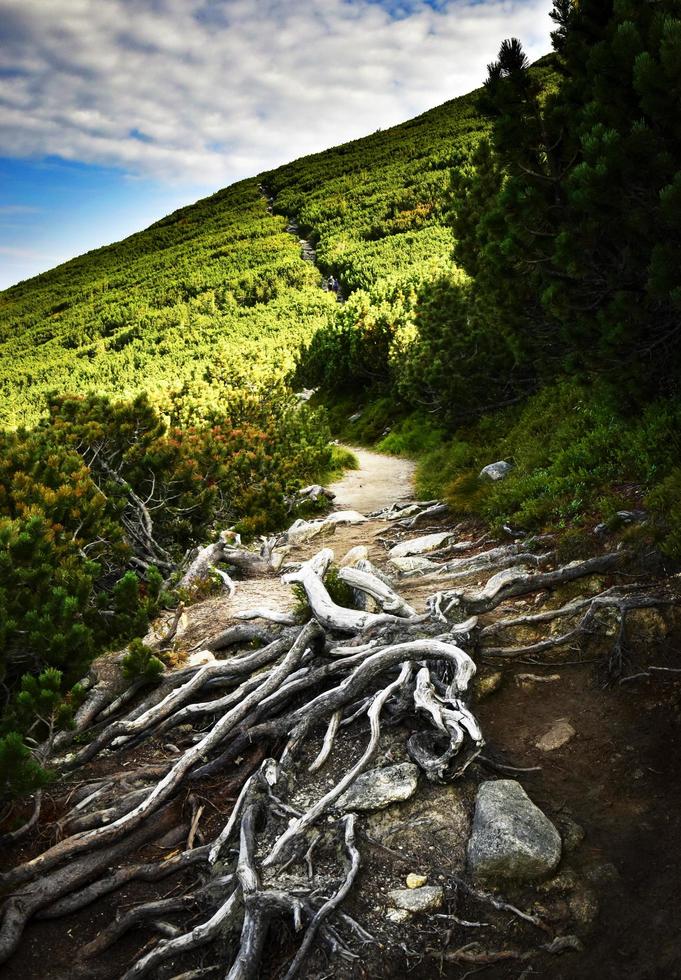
632 516
565 881
512 838
416 881
379 788
484 686
422 545
558 735
529 680
301 531
496 471
398 916
427 899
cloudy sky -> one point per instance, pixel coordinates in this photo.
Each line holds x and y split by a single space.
115 112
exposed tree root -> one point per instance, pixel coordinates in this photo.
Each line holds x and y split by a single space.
621 600
256 869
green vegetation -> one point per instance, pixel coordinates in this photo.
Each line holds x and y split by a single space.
211 300
20 772
509 263
549 333
140 663
98 504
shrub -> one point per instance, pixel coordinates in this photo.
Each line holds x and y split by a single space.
19 771
665 503
141 664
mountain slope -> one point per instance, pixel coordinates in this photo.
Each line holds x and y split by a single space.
218 292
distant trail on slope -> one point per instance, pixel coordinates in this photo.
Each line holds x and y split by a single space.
307 250
379 482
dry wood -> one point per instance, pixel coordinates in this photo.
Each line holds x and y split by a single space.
392 665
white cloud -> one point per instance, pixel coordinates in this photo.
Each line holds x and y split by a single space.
25 253
207 91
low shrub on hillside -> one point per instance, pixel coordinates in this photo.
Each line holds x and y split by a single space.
99 502
576 457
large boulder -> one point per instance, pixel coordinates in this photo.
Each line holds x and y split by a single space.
496 471
512 838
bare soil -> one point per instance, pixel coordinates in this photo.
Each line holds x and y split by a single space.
379 482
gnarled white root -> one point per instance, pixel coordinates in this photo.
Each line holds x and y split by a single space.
328 613
321 806
383 594
271 615
302 684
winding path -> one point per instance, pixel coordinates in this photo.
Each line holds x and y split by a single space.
379 482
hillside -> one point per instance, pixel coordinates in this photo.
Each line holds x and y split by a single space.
217 293
262 718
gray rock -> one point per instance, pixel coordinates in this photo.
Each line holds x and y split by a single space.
305 394
511 837
632 516
379 788
302 530
430 898
496 471
559 734
422 545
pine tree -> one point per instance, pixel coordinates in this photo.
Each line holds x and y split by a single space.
577 251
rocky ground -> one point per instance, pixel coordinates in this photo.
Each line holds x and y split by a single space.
552 854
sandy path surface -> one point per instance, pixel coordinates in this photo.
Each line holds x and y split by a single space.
379 482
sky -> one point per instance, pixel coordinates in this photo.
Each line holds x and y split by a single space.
115 112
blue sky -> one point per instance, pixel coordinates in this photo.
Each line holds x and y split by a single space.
52 209
115 112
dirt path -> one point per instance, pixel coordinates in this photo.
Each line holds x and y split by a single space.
612 789
379 482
